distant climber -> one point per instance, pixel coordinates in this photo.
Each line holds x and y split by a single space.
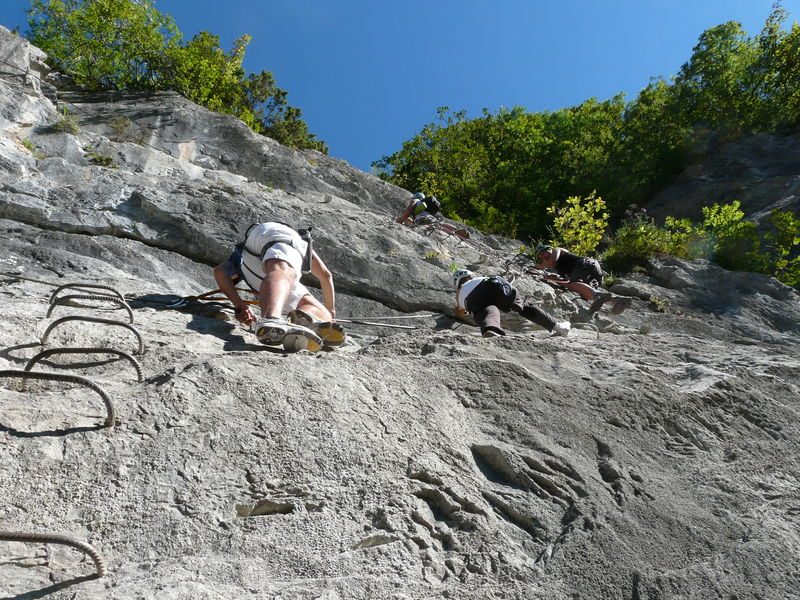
270 261
579 274
421 210
485 297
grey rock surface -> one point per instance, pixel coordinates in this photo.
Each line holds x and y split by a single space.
761 171
649 455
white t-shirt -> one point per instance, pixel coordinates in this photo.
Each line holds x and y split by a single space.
466 289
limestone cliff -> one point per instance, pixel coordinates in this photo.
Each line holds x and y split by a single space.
649 455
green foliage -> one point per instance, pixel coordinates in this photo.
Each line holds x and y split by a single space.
724 236
580 223
639 239
130 45
500 171
103 44
658 304
125 130
101 160
120 126
609 280
66 124
783 254
734 243
31 147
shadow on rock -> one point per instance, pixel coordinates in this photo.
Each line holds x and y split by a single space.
50 432
50 589
6 352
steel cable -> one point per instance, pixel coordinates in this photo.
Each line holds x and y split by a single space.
56 538
58 322
93 350
63 300
84 287
111 416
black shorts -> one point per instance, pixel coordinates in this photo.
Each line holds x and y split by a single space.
587 271
494 291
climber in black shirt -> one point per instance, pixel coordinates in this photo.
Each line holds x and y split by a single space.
579 274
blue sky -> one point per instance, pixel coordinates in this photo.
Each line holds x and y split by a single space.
368 74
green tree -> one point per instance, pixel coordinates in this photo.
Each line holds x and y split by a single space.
103 44
501 171
129 45
204 73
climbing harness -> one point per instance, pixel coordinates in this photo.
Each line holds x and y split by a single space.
280 238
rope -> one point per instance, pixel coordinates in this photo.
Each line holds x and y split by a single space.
47 353
58 322
63 300
55 538
111 417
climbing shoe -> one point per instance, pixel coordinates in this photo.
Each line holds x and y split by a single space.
600 298
301 338
490 333
620 304
332 334
271 330
560 329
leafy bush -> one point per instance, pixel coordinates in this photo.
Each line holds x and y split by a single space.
580 224
784 248
101 160
724 236
639 239
733 242
120 126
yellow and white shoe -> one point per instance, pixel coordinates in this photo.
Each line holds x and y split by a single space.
271 330
332 333
301 338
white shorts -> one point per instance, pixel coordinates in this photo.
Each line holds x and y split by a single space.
289 254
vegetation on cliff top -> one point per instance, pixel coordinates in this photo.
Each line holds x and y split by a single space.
503 170
129 45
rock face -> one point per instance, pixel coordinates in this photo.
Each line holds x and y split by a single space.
762 172
650 455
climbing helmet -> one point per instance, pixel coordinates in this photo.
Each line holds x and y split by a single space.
541 248
461 274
